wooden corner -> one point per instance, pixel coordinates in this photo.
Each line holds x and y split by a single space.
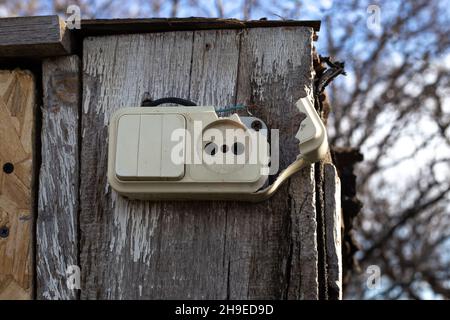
34 37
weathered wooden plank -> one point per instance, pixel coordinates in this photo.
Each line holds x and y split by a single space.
122 241
98 27
57 221
34 37
137 249
17 109
276 71
332 198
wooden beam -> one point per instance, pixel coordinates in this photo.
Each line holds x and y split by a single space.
97 27
204 249
39 37
34 37
17 106
57 221
333 225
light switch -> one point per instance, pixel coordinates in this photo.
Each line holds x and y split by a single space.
127 146
144 147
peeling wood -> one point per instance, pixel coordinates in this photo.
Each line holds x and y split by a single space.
275 71
57 222
333 212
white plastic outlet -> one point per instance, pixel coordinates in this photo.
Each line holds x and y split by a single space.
185 153
178 152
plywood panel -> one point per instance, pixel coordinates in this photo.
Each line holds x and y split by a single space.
17 107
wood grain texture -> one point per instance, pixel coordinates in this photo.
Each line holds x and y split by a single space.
57 221
212 250
332 197
17 106
34 37
125 249
276 71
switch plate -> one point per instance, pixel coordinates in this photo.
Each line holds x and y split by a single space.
141 146
144 147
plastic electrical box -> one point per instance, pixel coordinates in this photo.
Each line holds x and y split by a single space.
186 153
174 152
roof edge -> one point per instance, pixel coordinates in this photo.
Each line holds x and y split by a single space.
97 27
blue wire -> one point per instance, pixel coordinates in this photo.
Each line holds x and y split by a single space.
232 108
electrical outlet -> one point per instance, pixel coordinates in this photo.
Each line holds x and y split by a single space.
187 153
174 152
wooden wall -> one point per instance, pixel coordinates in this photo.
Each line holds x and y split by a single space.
284 248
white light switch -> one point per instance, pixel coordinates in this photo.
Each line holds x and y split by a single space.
127 146
144 147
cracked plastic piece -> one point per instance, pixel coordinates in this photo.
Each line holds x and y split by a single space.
312 133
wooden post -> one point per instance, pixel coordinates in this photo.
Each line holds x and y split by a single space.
57 222
201 250
17 117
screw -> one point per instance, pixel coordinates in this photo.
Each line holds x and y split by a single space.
8 168
256 125
4 232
